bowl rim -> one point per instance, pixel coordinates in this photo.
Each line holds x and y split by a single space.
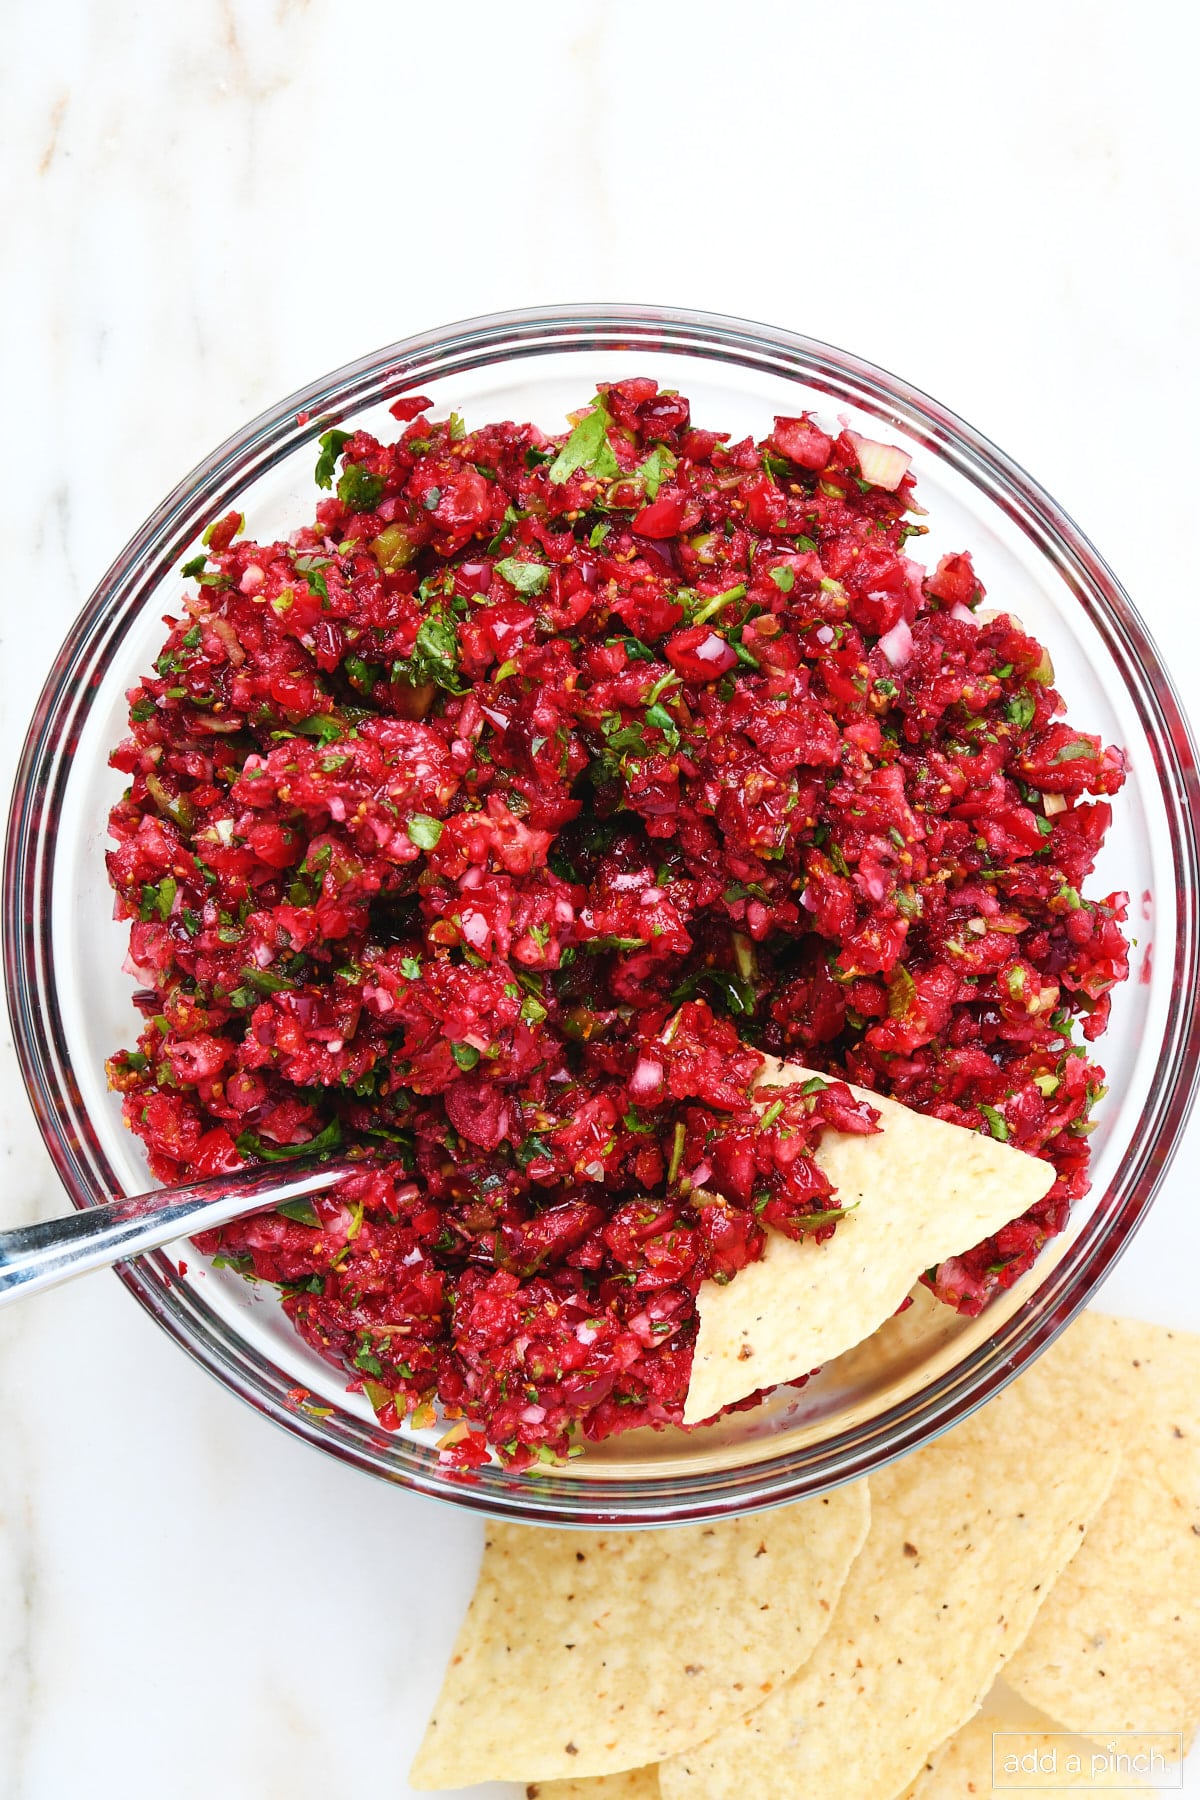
94 638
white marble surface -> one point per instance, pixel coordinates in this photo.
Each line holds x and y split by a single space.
204 207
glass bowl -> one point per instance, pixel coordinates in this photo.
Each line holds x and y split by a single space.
70 1001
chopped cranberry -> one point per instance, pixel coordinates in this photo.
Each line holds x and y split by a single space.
490 827
700 653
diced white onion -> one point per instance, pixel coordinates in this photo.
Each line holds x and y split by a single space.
646 1078
897 644
883 465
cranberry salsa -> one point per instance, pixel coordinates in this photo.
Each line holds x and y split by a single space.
490 826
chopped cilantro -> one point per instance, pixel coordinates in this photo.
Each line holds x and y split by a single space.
331 443
1020 710
361 674
301 1212
526 577
588 449
511 517
158 897
327 728
310 567
359 489
635 650
661 720
532 1150
434 658
656 469
817 1221
250 1144
424 832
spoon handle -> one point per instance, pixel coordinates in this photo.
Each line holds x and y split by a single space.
40 1256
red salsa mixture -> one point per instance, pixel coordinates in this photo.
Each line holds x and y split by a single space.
490 827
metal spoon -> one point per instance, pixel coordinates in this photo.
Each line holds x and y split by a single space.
40 1256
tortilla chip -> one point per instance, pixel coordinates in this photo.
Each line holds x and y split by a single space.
632 1784
922 1190
1117 1646
962 1768
967 1537
586 1652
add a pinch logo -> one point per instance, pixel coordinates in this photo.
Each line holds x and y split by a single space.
1131 1763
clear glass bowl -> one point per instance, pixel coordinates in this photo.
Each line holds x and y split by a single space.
70 1002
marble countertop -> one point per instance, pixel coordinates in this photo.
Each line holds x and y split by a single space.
206 208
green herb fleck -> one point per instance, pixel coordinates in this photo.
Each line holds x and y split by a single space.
250 1144
358 488
996 1123
331 443
588 449
526 577
532 1150
1020 710
424 832
434 658
677 1146
716 601
301 1212
1073 752
656 469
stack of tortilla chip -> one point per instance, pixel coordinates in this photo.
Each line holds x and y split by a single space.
843 1647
